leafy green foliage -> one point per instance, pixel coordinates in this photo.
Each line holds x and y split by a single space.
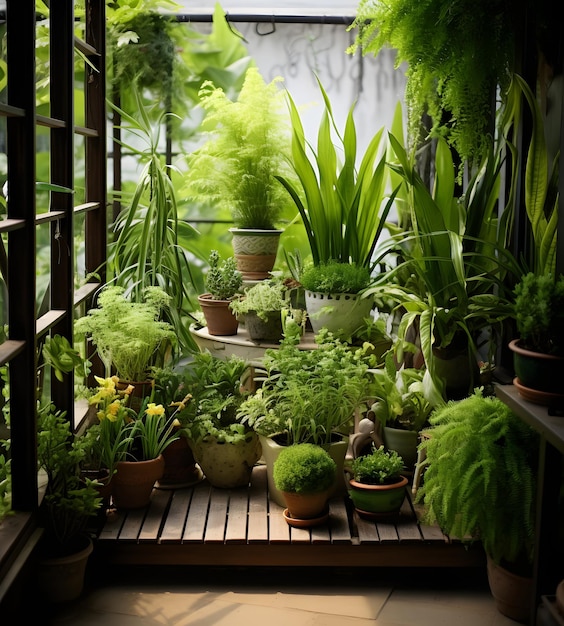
342 207
223 280
304 468
69 500
247 144
129 335
457 53
335 277
539 312
265 297
307 396
378 468
481 474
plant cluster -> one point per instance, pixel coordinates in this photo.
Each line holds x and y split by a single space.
128 335
399 396
335 277
539 312
381 467
309 396
304 468
480 476
248 144
70 500
342 206
267 296
122 434
223 280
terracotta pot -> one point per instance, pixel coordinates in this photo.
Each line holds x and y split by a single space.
220 319
339 311
255 251
180 465
306 506
134 481
141 390
377 501
61 579
512 593
227 465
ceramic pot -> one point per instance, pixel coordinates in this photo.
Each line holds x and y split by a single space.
134 481
512 593
220 319
404 442
337 312
377 501
337 450
311 506
269 331
180 465
255 251
536 370
61 579
227 465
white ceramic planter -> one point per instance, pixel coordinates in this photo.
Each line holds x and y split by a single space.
339 311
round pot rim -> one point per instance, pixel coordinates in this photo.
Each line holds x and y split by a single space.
267 232
515 346
386 487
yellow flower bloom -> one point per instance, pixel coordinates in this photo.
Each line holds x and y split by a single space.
154 409
182 405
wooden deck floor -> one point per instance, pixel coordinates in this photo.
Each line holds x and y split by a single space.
202 525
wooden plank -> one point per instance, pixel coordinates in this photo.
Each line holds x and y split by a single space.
387 532
198 513
132 525
258 506
173 527
407 527
339 521
299 535
111 529
217 516
366 530
156 513
278 529
236 530
429 532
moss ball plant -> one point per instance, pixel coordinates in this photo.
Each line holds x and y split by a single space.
304 468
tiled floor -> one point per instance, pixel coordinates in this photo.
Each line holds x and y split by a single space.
233 597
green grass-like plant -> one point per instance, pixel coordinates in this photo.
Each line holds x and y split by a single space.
335 277
304 468
480 476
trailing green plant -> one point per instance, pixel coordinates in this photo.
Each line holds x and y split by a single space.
399 396
5 487
308 396
129 335
222 279
266 296
152 246
247 143
452 76
342 207
380 467
304 468
539 312
70 500
480 476
335 277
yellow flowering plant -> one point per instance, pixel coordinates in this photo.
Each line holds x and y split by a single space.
121 433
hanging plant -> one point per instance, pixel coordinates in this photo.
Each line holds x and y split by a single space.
457 53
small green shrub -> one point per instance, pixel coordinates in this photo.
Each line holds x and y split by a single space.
223 280
263 298
335 277
304 468
379 468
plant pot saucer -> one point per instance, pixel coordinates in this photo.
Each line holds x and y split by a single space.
545 398
197 477
378 517
305 523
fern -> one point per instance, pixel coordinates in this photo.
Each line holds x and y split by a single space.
480 478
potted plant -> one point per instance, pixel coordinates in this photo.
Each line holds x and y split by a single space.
538 353
400 409
341 199
308 396
129 336
69 502
224 446
133 439
305 474
248 144
377 487
223 282
333 296
262 306
480 485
